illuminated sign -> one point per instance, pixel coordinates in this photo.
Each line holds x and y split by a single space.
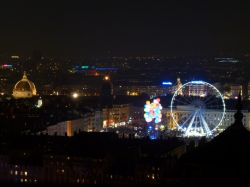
85 67
197 82
167 83
7 66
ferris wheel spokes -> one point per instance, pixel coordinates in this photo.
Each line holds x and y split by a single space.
205 125
186 120
191 123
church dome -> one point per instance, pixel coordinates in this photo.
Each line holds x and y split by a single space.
24 88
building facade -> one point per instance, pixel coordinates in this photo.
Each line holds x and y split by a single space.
212 114
116 115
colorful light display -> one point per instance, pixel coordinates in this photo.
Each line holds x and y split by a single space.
153 111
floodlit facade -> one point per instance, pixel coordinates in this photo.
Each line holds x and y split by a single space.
226 122
197 90
116 115
95 121
90 122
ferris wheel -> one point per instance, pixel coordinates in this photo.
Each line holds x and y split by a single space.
197 109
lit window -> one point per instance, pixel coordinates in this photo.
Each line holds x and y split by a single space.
25 173
16 172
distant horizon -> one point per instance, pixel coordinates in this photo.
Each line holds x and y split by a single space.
8 55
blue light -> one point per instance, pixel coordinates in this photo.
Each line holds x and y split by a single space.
167 83
152 137
197 82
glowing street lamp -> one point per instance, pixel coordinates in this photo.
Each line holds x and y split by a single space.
75 95
106 78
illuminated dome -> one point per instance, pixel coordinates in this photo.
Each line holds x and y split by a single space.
24 88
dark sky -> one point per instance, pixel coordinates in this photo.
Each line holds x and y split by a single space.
96 28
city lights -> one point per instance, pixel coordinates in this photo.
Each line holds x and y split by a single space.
106 78
39 103
197 82
167 83
75 95
116 94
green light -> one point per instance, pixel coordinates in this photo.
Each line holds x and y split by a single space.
85 67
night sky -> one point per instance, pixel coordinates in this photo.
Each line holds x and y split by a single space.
100 28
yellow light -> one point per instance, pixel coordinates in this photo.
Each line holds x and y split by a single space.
39 103
75 95
105 124
134 93
153 176
162 127
15 57
106 78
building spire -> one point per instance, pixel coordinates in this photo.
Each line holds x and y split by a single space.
179 87
25 75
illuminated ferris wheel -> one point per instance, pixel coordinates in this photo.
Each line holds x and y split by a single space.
197 109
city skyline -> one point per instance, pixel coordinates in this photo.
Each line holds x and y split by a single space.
124 29
124 92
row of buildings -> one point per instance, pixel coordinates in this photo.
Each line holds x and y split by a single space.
128 116
118 115
93 121
88 158
229 91
26 88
